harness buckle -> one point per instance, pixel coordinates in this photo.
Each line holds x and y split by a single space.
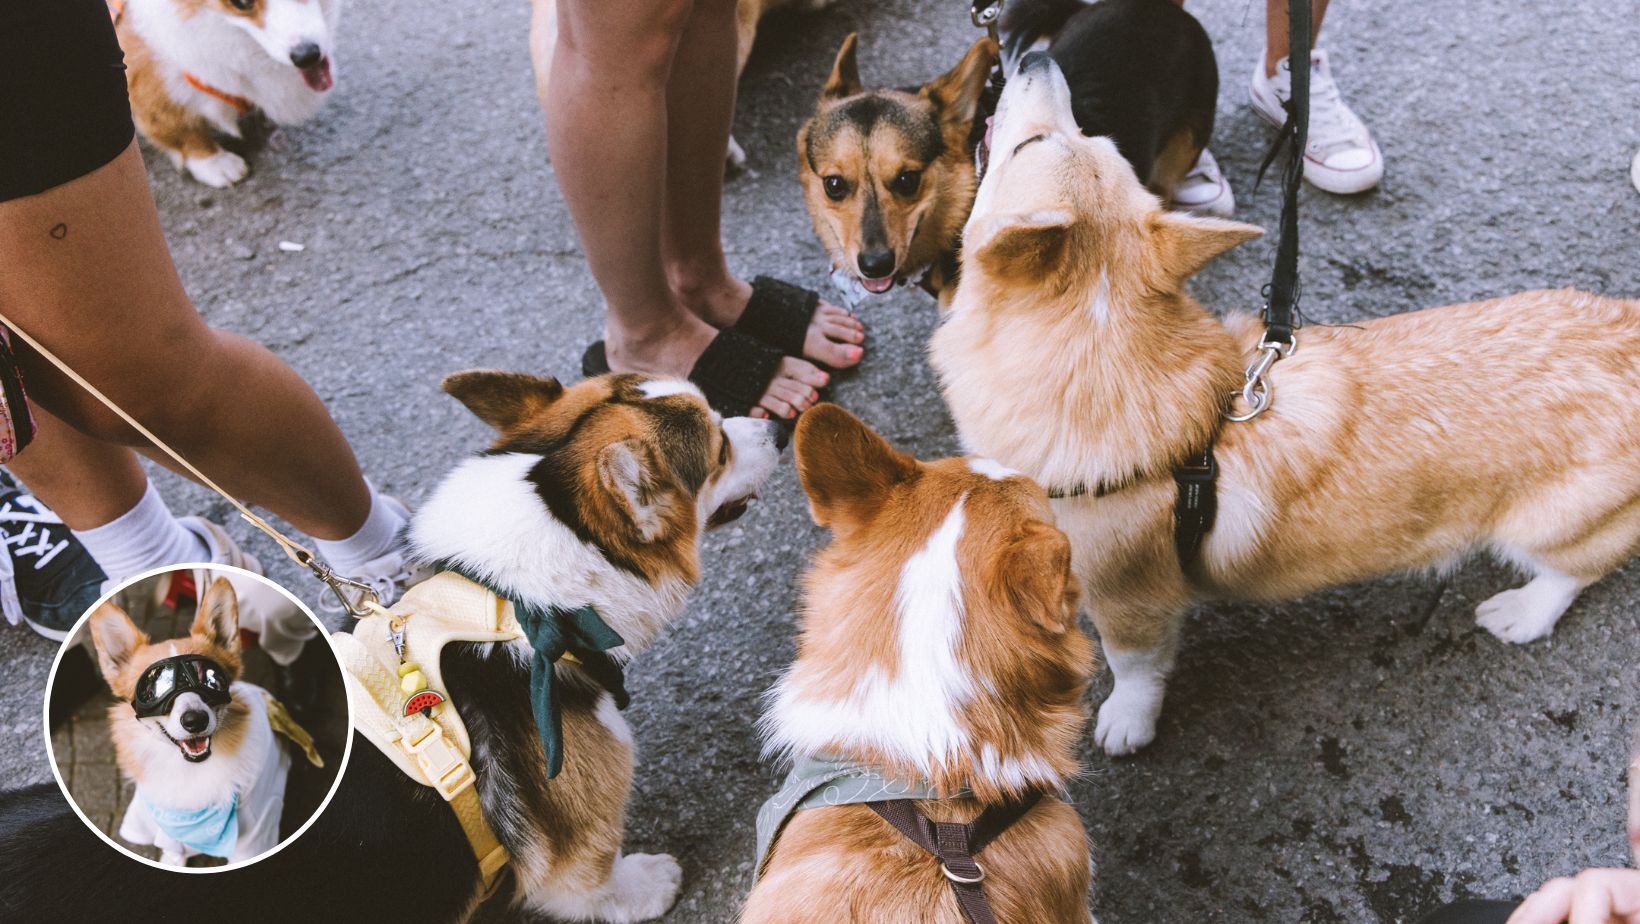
963 880
440 761
1191 473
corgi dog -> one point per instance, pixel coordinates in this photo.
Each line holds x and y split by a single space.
598 494
1073 353
938 644
197 68
889 175
748 14
209 772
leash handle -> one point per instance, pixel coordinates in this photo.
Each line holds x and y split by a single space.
355 596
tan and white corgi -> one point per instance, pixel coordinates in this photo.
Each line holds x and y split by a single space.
1073 353
210 773
939 655
195 68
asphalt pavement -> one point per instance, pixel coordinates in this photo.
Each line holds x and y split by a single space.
1356 756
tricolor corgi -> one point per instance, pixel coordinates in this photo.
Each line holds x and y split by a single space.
209 772
1074 353
596 495
939 660
196 68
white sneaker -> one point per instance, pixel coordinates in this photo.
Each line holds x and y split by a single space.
1204 190
389 575
1341 156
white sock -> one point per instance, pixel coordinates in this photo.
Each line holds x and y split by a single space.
145 537
378 536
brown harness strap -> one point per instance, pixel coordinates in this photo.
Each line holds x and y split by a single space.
955 844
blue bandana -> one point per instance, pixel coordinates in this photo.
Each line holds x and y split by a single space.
212 830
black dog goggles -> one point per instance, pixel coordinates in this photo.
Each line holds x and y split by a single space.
168 678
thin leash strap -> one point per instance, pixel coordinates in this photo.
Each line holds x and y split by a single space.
298 553
955 844
1282 304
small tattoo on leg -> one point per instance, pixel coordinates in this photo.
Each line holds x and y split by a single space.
59 231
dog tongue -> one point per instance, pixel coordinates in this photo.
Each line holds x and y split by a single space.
196 745
878 286
318 76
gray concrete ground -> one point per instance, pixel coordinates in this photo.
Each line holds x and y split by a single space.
1356 756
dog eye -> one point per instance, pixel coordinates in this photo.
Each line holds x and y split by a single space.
242 4
836 188
1020 146
723 450
906 183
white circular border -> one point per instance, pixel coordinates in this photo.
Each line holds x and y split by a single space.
51 755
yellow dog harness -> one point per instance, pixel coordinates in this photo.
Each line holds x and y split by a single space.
391 664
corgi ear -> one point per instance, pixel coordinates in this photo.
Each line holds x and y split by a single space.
217 618
115 637
845 72
502 399
1034 572
1185 243
1022 245
957 92
845 467
636 482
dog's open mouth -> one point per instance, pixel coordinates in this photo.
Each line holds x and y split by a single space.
982 153
879 284
193 749
318 76
730 512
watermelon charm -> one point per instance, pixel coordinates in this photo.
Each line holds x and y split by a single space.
423 702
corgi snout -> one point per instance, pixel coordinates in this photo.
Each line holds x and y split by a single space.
306 54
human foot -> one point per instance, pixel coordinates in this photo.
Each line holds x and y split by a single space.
1341 156
833 335
718 361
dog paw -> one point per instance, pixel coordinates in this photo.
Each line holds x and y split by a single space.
1126 723
1516 616
224 168
642 887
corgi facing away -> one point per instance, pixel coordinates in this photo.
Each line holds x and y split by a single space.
940 655
195 68
209 772
1073 353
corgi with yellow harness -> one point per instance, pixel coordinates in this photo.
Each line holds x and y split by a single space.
486 702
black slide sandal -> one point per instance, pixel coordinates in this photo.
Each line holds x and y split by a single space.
779 314
733 372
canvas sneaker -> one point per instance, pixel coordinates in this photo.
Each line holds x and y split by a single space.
1341 156
1204 190
47 578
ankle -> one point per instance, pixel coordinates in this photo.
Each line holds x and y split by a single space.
707 290
665 346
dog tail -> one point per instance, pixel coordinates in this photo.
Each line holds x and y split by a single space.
1027 22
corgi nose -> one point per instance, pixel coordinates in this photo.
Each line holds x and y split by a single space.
782 436
194 721
306 54
1035 61
876 263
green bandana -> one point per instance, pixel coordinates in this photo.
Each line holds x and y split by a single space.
554 632
823 780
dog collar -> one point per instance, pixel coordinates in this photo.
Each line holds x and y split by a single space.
168 678
241 105
580 636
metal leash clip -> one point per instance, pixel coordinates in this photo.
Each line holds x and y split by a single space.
1259 392
985 15
357 598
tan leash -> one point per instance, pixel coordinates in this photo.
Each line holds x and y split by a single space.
362 595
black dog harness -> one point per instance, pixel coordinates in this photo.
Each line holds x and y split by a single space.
955 844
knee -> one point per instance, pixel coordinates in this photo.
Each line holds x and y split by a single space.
641 50
168 400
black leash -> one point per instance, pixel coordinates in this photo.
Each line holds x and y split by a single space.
955 845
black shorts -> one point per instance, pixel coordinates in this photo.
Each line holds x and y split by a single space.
1472 912
63 105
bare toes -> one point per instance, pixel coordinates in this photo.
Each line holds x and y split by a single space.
803 371
777 407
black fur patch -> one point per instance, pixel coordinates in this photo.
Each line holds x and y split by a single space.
920 131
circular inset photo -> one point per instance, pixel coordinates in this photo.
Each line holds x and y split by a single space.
196 718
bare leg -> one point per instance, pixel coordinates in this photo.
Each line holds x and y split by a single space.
86 482
698 126
1275 30
89 275
616 58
